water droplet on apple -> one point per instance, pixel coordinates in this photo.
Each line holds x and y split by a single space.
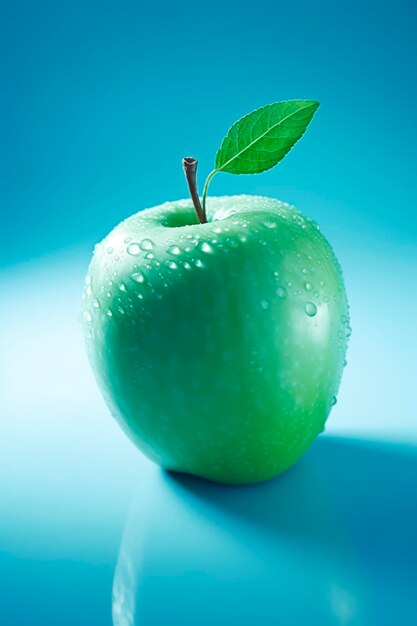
109 250
348 331
310 309
148 255
138 277
87 316
96 304
186 265
269 223
146 244
334 400
133 249
281 292
109 313
217 230
122 287
128 239
174 250
198 263
264 304
206 247
88 290
222 214
304 270
344 319
308 286
172 265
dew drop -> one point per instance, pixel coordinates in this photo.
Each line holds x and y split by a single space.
87 316
334 400
268 223
308 286
174 250
344 319
146 244
186 265
172 265
133 249
109 250
96 304
138 277
206 247
122 287
128 239
222 214
149 255
348 331
281 292
310 309
217 230
198 263
109 313
264 305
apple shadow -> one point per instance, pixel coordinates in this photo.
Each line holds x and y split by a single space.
370 485
331 541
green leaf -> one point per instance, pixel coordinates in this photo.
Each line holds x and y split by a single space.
259 140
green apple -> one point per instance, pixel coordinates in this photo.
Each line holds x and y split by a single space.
218 346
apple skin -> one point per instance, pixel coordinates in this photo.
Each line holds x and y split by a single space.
219 347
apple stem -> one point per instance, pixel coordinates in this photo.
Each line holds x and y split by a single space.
190 169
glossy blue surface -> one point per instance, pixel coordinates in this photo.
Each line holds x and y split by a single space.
333 541
93 95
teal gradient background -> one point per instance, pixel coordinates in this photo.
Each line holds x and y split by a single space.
99 103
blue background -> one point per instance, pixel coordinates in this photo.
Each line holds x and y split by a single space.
99 103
